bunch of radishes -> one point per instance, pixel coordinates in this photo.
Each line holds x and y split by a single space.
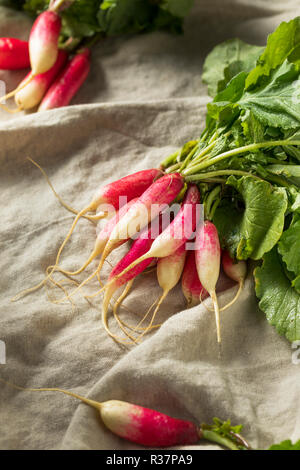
148 195
54 77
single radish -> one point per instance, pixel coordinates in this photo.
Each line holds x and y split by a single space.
148 427
208 257
191 286
32 94
139 247
68 82
14 54
135 423
178 231
169 270
235 270
43 42
108 197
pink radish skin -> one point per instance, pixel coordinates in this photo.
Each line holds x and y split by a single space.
31 95
139 247
14 54
208 257
128 187
236 270
147 427
161 193
43 42
178 231
191 286
68 83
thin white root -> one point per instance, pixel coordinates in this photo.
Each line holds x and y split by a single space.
217 315
93 218
117 304
241 285
164 295
19 88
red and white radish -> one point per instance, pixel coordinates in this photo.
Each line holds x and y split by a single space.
235 270
169 270
208 257
108 197
43 47
135 423
178 231
14 54
192 288
43 42
68 83
31 95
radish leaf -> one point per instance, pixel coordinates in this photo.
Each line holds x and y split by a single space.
278 299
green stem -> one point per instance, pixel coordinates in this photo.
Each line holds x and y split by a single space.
188 158
210 199
170 159
237 151
214 437
212 174
173 168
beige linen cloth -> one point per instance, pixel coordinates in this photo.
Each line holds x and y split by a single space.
142 100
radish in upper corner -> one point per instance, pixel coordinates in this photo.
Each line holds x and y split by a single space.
192 288
43 42
208 257
68 83
14 54
31 95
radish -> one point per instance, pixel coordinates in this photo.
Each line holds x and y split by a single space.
68 83
169 270
192 288
43 42
110 197
31 95
139 247
208 255
14 54
148 427
135 423
43 47
177 232
235 270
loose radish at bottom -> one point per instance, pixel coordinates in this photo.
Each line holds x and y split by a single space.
148 427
